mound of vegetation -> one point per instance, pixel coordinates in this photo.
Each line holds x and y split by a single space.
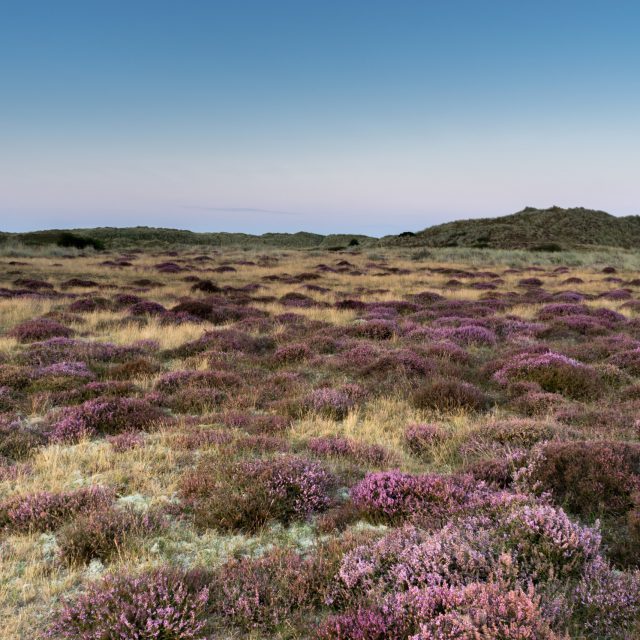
550 229
138 237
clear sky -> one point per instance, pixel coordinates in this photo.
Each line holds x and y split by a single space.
324 115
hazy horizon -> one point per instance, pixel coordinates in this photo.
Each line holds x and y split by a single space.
354 117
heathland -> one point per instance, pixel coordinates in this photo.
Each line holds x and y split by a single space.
386 441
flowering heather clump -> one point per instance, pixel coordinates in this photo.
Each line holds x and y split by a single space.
344 447
517 432
125 441
58 349
384 622
160 605
469 334
65 370
267 592
421 438
547 544
392 496
334 403
479 611
47 511
190 439
105 416
375 329
146 308
87 305
587 478
554 372
175 380
292 353
450 395
629 361
39 329
17 441
246 495
102 534
607 602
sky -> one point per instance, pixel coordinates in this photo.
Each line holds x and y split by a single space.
356 116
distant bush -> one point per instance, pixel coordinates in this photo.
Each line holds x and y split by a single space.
39 329
450 395
554 372
68 239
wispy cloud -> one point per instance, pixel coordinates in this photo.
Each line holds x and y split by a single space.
244 210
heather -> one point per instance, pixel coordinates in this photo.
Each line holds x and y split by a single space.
350 445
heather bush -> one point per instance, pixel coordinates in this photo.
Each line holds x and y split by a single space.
383 622
291 353
450 395
607 602
160 605
374 329
104 416
554 373
47 511
39 329
276 590
248 494
392 496
103 533
589 479
17 440
125 441
547 544
421 438
515 432
334 403
343 447
480 611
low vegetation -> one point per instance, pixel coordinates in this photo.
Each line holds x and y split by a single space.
367 444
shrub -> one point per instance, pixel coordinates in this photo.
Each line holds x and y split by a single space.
391 496
39 329
247 495
264 593
105 416
366 623
161 604
479 611
47 511
421 438
607 602
344 447
554 373
292 353
588 478
547 544
516 432
375 329
334 403
125 441
18 441
450 395
102 534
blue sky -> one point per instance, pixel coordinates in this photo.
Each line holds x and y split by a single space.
356 116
